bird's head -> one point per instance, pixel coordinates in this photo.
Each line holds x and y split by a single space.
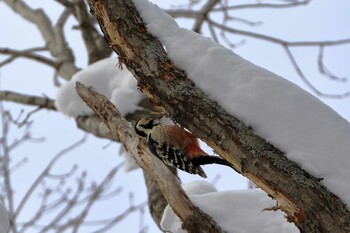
144 126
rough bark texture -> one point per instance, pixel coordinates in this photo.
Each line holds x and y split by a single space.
194 220
156 200
307 203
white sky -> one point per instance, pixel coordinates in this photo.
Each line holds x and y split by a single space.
328 20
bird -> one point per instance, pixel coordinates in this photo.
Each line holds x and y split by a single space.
176 146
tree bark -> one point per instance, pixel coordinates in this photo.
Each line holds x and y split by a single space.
307 203
156 200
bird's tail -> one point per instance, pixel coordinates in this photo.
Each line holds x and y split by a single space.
203 160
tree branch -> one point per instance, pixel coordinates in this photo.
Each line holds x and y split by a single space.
307 203
193 219
30 55
55 43
96 50
203 15
263 5
38 101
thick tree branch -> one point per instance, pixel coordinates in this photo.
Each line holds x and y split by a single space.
193 219
156 200
310 205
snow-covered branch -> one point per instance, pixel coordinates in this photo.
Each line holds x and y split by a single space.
208 15
306 201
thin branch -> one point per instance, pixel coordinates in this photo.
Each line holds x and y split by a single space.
286 45
278 40
57 47
324 70
245 21
13 57
27 117
66 3
203 15
194 14
178 13
63 175
18 165
108 224
45 172
29 55
5 167
308 83
213 33
42 102
263 6
69 205
39 212
95 195
87 27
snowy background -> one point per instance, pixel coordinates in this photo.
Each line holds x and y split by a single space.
98 159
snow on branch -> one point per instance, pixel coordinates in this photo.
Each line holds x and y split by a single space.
234 210
244 101
219 18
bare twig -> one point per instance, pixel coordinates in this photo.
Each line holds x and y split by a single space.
68 207
108 224
324 70
44 173
5 167
66 3
263 6
57 47
27 54
95 195
203 15
278 40
13 57
38 101
308 83
286 45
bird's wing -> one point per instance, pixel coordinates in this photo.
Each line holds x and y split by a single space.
175 158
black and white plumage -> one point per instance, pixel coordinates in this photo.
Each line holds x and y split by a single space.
175 146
